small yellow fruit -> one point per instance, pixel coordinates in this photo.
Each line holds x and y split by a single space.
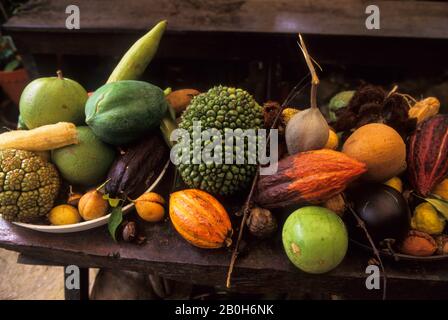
442 189
333 141
92 205
287 114
149 207
426 219
424 109
395 183
64 214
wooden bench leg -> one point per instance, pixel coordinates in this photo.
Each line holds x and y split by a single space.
74 293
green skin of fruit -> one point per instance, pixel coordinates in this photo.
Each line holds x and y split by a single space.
20 124
120 112
85 163
220 108
340 100
315 239
51 100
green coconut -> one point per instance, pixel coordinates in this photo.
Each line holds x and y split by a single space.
85 163
315 239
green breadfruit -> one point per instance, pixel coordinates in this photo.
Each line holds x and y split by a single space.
221 108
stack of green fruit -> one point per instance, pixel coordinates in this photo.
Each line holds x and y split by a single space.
61 127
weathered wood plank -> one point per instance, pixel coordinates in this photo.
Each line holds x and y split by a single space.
264 269
263 266
421 19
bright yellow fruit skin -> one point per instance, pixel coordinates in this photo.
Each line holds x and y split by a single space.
426 219
442 189
64 214
395 183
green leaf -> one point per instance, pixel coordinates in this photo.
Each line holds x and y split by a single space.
11 66
167 91
440 205
116 217
113 202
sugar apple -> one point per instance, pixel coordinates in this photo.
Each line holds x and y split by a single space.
221 108
28 185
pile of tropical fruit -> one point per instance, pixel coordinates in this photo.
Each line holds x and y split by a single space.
380 156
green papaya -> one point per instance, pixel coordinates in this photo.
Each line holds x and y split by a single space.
120 112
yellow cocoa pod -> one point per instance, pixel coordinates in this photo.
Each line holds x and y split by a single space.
426 219
92 205
442 189
287 114
333 140
424 109
149 207
395 183
64 214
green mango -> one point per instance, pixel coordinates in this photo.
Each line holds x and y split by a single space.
315 239
120 112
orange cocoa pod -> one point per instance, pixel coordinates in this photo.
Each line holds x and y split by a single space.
312 176
200 219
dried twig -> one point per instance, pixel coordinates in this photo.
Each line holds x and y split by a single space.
247 204
362 225
310 63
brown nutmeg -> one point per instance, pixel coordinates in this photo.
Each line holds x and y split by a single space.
73 199
442 244
261 222
336 204
418 243
129 231
92 205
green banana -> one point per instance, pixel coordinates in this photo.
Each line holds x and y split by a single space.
136 59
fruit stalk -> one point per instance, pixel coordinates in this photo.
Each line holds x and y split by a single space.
362 225
314 78
307 130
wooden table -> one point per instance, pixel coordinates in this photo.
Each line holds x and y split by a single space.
201 29
263 268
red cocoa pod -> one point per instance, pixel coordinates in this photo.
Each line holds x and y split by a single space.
428 154
312 177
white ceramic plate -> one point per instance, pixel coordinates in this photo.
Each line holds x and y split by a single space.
86 225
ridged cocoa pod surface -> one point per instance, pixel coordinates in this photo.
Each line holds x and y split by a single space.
312 177
200 219
428 154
